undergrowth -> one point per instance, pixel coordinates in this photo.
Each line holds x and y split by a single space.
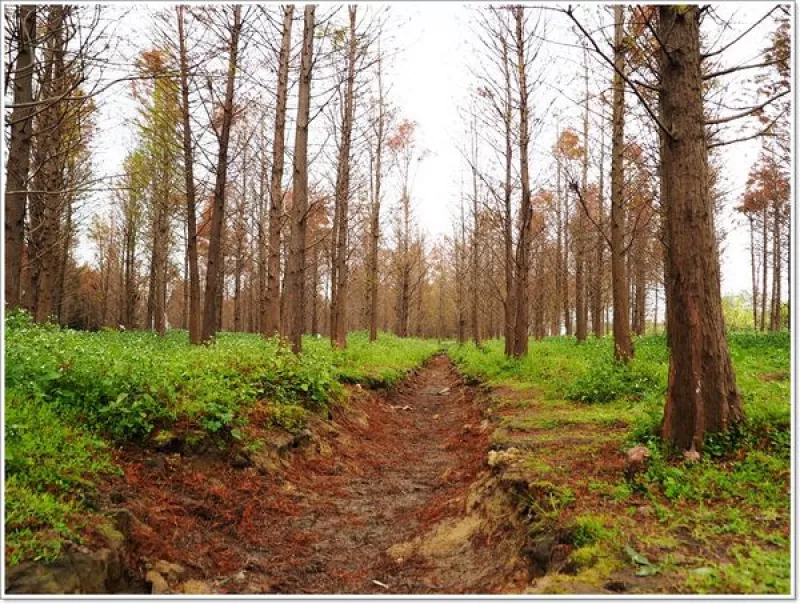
70 395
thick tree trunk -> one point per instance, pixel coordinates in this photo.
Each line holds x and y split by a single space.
295 288
214 267
702 396
195 318
623 348
19 155
271 320
47 203
342 228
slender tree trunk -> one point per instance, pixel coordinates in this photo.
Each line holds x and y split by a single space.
701 396
214 267
623 348
195 318
19 155
581 306
775 315
524 242
764 263
375 214
295 301
271 321
510 305
753 269
476 336
598 326
339 302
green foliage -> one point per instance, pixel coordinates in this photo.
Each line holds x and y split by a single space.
51 471
289 417
610 381
589 529
755 571
67 390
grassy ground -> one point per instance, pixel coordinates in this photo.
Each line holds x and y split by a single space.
71 396
566 414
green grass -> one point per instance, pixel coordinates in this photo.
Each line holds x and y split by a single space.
69 394
727 514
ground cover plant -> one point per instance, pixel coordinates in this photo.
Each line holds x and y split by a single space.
718 525
72 395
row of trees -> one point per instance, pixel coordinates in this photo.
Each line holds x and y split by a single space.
270 187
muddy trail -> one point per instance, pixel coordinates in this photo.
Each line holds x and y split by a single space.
377 503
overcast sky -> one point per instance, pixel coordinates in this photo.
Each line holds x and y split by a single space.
430 78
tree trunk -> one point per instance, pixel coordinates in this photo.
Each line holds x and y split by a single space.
19 155
510 305
195 321
214 268
295 287
775 315
702 396
764 263
581 306
623 348
753 269
523 244
598 326
271 320
339 302
375 214
476 336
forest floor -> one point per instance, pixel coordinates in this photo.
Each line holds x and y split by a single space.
399 466
376 504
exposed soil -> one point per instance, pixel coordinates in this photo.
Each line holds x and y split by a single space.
376 504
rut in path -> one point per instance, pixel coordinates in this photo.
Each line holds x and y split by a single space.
393 469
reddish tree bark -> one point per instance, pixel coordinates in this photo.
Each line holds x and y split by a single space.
702 396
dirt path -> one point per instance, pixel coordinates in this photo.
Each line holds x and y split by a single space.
377 505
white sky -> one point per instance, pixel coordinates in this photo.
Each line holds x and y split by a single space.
428 80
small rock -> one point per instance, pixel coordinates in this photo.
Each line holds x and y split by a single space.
466 428
484 425
636 460
436 416
444 391
170 570
158 583
195 587
239 577
498 459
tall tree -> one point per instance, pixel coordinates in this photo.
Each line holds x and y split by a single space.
524 238
702 396
195 323
341 218
19 153
271 320
213 310
623 347
295 277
